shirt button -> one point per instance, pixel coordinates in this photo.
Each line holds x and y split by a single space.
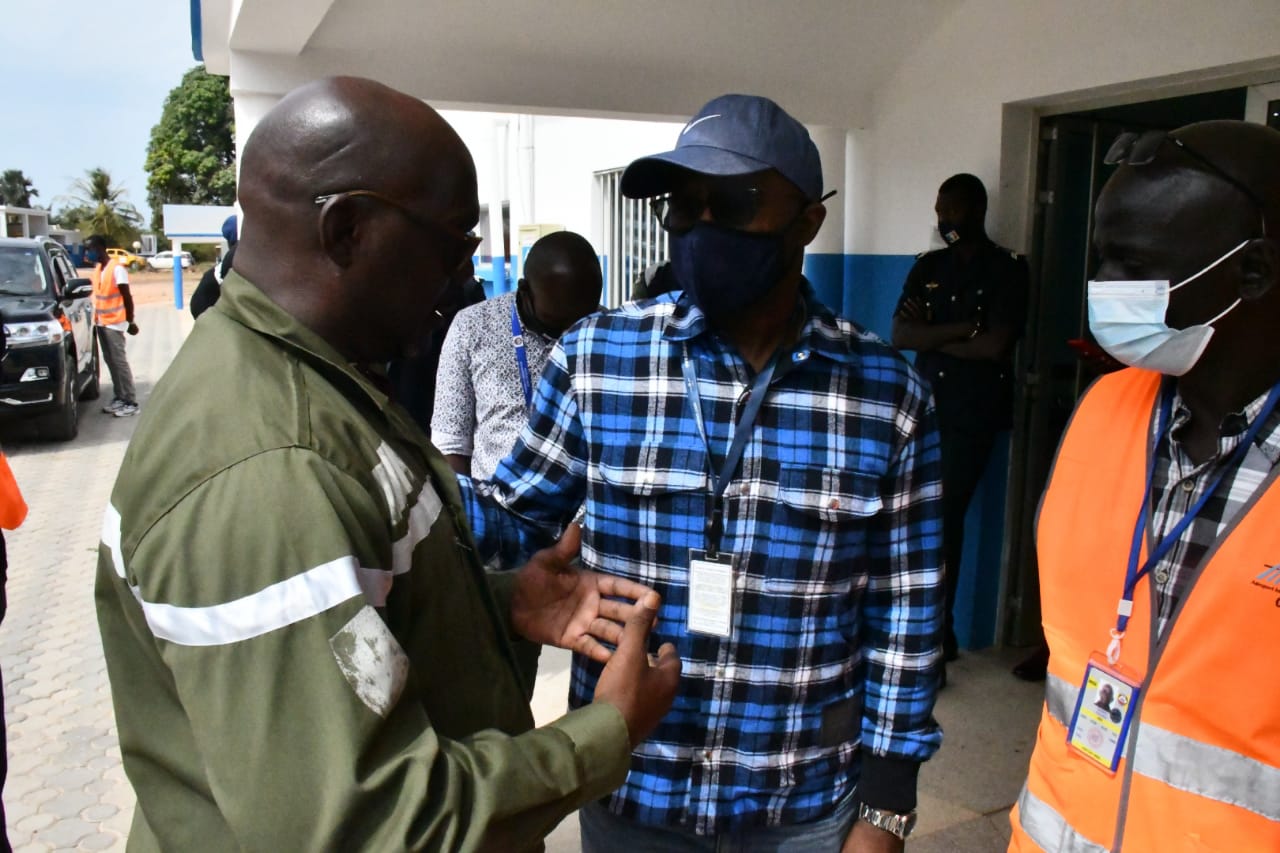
1162 576
707 755
1188 485
942 374
834 504
953 299
744 489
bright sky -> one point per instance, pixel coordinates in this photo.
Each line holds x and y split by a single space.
70 100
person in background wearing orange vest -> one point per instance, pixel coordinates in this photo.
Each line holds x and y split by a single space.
13 510
1159 530
113 314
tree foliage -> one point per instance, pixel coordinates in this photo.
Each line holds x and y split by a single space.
16 190
191 155
99 207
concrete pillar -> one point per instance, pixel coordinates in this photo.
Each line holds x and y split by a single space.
250 107
824 262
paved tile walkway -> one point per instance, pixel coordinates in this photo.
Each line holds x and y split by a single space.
66 789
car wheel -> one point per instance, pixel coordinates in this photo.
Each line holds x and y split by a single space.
134 266
65 423
93 390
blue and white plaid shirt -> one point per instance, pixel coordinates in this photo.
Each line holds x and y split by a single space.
833 515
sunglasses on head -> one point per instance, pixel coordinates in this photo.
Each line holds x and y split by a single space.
466 241
1139 149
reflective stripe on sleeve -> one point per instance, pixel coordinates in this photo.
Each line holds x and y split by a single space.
396 481
1208 771
422 517
277 606
1050 830
394 478
111 538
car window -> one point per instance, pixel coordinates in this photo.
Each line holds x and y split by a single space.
62 268
21 271
59 274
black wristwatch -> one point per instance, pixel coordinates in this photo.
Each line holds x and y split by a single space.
891 822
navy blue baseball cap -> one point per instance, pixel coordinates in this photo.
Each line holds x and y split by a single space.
732 135
229 229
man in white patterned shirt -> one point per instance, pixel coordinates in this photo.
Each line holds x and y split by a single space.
494 353
1157 537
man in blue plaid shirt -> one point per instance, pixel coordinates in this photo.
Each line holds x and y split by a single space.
773 471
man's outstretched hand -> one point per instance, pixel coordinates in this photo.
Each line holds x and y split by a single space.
641 689
558 604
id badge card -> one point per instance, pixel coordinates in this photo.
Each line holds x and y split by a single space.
710 594
1104 708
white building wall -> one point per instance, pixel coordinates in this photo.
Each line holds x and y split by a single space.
942 111
568 151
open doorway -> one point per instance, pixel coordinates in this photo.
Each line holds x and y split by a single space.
1069 175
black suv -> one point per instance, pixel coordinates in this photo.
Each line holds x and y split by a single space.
51 358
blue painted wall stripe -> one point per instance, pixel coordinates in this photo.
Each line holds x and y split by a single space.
197 32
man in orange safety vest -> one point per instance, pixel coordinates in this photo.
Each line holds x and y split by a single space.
1158 533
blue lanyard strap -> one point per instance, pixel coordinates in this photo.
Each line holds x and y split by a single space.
720 482
522 358
1135 574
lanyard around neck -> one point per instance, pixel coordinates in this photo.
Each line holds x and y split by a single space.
720 482
522 358
1134 573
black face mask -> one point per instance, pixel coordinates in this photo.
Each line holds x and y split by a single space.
726 271
529 317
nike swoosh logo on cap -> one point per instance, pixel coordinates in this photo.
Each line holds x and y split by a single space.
690 126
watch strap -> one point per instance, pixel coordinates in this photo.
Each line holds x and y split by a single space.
896 824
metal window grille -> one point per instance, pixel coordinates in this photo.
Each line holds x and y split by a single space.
628 234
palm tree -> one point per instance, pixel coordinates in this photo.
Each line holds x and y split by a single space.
16 190
108 213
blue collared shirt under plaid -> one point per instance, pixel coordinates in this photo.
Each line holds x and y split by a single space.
833 517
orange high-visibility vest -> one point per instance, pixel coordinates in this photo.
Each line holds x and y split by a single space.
13 509
1201 766
108 304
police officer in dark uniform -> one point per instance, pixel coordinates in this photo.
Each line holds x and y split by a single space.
962 310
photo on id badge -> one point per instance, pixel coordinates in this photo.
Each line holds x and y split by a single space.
1102 716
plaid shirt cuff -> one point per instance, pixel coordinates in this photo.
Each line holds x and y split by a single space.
888 783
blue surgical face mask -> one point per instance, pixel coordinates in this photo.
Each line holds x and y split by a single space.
725 270
1128 320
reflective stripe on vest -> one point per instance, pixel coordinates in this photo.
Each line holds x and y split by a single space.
1050 830
1208 771
1202 768
108 304
1060 698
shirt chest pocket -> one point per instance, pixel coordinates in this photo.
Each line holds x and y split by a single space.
665 483
829 495
820 528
